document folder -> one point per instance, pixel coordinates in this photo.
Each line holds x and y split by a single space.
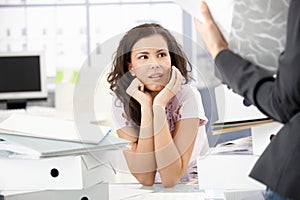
60 173
97 192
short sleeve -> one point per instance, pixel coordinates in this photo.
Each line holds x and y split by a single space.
118 114
192 106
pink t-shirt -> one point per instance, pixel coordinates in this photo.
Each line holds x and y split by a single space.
185 104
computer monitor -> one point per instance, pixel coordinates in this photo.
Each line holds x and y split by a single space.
22 78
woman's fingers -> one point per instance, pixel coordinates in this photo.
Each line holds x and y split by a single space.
178 81
133 87
175 80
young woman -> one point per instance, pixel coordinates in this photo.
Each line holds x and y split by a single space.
160 114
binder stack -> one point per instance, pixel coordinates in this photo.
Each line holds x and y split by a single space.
42 168
65 177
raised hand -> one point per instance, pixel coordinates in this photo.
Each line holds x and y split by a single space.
136 90
210 33
163 97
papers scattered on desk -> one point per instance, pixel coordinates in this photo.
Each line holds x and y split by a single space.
51 128
238 146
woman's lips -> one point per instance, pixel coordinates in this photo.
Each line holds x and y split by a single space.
155 76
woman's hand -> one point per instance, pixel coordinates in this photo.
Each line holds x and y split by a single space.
163 97
210 33
136 90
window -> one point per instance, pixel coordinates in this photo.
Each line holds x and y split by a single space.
68 30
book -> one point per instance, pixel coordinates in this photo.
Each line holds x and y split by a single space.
17 146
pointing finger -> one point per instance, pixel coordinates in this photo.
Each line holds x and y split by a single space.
206 12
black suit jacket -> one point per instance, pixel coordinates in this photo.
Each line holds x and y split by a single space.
278 98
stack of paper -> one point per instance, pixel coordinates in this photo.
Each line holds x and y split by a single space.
52 128
238 146
224 127
56 159
29 147
39 137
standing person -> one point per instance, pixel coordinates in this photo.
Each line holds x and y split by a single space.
278 98
162 118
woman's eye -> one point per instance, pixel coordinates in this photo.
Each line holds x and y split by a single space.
143 57
162 55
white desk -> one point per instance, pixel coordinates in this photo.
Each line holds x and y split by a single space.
135 191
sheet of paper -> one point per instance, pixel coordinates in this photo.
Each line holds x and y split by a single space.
52 128
8 148
221 10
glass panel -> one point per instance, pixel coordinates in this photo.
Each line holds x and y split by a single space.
105 22
61 31
36 18
12 22
133 15
168 15
104 1
31 2
12 2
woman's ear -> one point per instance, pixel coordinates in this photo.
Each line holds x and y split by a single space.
130 69
129 66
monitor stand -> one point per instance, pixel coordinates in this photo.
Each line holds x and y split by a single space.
16 104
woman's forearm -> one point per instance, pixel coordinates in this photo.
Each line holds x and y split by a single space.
141 158
167 155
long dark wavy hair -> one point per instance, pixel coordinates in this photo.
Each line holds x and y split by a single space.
119 78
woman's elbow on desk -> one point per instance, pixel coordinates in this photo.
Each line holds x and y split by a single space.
170 183
145 180
170 179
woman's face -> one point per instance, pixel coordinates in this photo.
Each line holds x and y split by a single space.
151 62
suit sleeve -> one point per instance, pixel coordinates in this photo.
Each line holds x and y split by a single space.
278 98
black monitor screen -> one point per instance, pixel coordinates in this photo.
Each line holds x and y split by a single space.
20 74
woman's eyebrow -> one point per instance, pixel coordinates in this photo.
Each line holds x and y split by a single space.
160 50
142 52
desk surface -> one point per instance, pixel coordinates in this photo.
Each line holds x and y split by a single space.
135 191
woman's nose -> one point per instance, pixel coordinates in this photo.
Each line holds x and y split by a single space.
154 65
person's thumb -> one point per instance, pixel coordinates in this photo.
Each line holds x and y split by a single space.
206 12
